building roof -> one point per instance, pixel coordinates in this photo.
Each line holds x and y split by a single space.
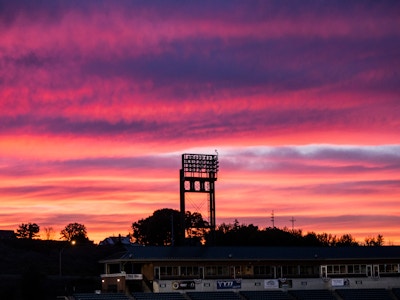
151 253
115 240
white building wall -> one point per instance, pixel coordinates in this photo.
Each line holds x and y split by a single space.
205 285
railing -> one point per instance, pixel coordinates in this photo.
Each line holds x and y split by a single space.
123 274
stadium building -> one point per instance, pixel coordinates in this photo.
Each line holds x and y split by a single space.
241 269
247 273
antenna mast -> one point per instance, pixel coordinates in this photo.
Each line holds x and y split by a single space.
273 219
292 220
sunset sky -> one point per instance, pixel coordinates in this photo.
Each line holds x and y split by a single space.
301 99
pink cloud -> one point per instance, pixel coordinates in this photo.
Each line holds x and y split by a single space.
98 102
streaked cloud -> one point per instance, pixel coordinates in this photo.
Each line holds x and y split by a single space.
99 99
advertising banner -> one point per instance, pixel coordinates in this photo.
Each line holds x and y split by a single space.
229 284
285 283
339 282
134 277
271 284
184 285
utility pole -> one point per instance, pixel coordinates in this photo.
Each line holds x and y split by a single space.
172 231
71 243
292 220
273 219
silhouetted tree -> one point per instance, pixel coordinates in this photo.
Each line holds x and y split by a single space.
28 231
273 236
49 233
74 231
235 234
163 228
326 239
346 240
372 241
195 227
159 229
311 239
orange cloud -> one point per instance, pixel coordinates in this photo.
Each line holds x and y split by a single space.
98 102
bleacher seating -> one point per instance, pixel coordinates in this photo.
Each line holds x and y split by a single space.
364 294
396 292
223 295
158 296
345 294
105 296
265 295
312 294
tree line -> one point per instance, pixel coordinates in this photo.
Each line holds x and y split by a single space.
161 229
71 232
164 226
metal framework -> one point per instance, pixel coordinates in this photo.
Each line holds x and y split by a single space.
198 175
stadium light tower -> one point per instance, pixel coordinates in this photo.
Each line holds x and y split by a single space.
198 175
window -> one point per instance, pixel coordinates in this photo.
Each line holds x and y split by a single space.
238 270
220 271
211 271
339 269
288 271
260 270
190 271
389 268
265 271
363 269
114 268
336 269
168 271
359 269
308 270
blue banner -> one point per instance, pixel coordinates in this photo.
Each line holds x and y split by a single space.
229 284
